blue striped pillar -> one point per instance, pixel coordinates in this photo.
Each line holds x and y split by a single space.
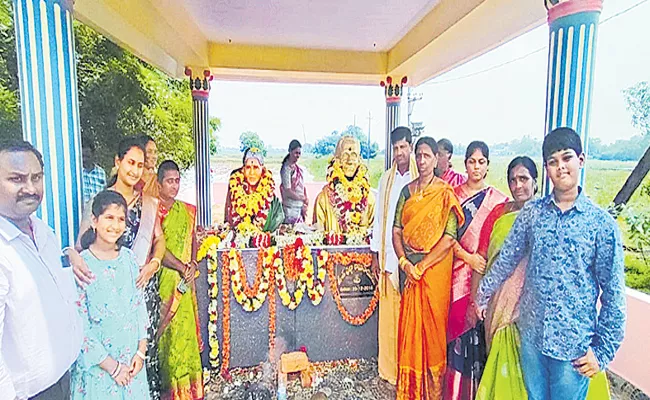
393 94
200 93
49 106
572 46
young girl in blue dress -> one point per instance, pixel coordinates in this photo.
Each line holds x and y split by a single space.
110 365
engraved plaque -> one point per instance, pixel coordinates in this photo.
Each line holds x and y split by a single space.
355 281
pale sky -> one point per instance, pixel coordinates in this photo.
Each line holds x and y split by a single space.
465 104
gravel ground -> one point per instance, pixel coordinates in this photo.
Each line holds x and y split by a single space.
338 380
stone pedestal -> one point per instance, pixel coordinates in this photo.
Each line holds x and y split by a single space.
320 329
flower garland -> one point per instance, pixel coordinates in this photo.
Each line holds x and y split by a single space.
345 259
250 205
315 279
250 298
225 294
291 301
272 313
208 249
262 264
213 292
349 198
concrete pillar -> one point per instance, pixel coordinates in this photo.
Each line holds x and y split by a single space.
49 106
200 86
572 46
393 94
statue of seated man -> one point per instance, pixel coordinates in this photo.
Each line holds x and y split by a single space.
346 203
251 204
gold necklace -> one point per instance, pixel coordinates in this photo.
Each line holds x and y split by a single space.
420 191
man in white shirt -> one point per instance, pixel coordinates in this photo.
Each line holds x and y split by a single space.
40 329
384 259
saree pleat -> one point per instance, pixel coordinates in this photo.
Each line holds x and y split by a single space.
466 352
425 304
180 343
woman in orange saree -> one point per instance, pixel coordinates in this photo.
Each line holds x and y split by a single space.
424 233
466 353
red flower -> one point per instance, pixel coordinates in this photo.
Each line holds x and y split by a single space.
303 349
226 376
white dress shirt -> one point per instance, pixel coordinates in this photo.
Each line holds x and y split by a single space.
40 328
381 214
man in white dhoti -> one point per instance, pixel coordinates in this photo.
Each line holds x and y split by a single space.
402 172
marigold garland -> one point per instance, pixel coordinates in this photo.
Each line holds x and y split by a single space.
213 292
225 293
208 249
291 301
250 298
345 259
349 198
272 313
306 279
250 205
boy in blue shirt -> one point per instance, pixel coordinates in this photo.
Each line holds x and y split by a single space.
575 252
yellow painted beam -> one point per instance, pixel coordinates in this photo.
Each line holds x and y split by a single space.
256 75
435 23
267 58
486 27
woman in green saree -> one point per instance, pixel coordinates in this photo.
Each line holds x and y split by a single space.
502 378
179 345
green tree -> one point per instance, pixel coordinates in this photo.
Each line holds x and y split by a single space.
249 139
637 100
119 95
214 125
327 145
10 124
169 113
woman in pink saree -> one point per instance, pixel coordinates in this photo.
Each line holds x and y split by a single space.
466 354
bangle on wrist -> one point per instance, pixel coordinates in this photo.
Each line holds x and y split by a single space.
117 370
141 355
157 260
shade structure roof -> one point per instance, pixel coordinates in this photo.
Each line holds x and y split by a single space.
317 41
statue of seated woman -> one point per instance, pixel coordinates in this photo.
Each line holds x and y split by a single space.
251 204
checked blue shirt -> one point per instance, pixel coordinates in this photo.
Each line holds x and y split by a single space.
574 257
94 181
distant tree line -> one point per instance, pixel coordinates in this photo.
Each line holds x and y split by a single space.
327 145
